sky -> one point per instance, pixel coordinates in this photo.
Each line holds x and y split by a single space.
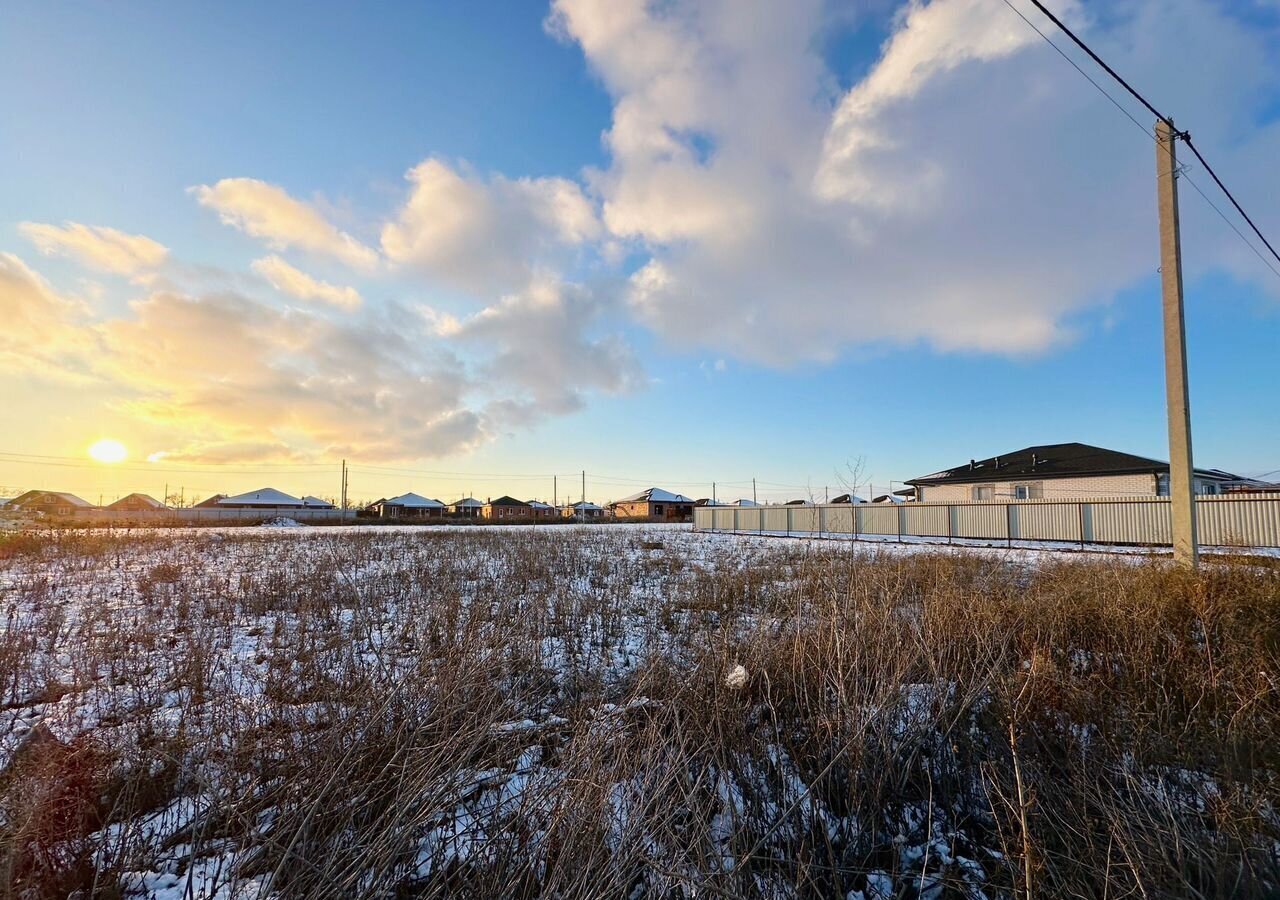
482 249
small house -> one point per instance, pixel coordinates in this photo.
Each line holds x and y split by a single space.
136 503
50 503
582 510
1060 471
264 498
406 506
466 508
507 509
654 503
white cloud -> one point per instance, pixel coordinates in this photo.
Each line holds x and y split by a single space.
284 277
98 247
40 334
538 343
267 211
486 235
971 191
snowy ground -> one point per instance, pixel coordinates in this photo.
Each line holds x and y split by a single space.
252 687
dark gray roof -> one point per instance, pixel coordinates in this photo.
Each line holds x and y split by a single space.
1054 461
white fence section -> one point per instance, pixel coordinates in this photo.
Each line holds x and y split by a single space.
1232 521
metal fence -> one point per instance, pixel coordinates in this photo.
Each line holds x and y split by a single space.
1241 521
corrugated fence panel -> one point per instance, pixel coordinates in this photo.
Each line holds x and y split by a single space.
1046 522
989 520
804 518
1131 522
775 518
926 520
878 519
1223 521
1239 522
840 519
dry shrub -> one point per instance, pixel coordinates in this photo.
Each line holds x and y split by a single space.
516 713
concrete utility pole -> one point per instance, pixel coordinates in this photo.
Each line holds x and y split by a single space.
1182 503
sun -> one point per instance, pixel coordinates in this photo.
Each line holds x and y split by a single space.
108 450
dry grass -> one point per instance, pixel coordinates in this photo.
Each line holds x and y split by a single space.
517 713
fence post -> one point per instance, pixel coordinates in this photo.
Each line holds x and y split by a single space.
822 521
735 520
900 514
1008 524
951 511
1080 516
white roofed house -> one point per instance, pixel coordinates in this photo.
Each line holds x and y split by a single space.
542 510
466 508
653 503
583 509
406 506
263 498
317 503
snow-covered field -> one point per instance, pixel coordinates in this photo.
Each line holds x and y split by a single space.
626 711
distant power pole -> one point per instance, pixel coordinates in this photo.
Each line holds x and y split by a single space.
344 485
584 486
753 493
1182 503
555 497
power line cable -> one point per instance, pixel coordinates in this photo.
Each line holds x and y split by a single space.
1184 135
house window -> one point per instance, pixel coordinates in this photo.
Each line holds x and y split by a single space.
984 492
1032 491
1162 485
657 509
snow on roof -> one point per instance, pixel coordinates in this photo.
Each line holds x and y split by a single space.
584 504
744 503
61 495
467 502
415 500
538 504
262 497
317 502
655 495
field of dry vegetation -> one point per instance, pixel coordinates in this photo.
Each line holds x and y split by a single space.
561 713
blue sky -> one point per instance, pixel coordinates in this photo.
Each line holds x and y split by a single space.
668 243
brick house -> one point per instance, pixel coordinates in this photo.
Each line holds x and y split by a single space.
542 510
136 503
1060 471
507 509
466 508
654 503
50 503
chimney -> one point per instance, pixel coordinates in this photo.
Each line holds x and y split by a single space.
1033 462
972 463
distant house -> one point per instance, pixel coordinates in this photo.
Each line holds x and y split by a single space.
136 503
264 498
745 503
888 498
805 502
507 509
583 509
406 506
316 503
542 510
1053 471
654 503
50 503
708 501
848 498
467 508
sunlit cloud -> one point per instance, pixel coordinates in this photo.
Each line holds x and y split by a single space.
486 235
289 280
267 211
97 247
